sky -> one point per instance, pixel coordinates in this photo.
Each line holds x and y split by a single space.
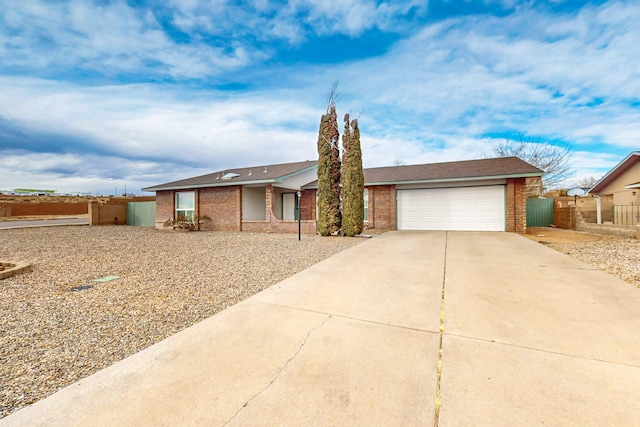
96 96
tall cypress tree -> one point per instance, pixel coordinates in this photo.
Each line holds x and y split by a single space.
329 216
352 180
335 217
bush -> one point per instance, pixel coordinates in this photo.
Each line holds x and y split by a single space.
186 223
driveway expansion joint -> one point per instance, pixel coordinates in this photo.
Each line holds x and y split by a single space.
287 363
438 402
357 319
541 350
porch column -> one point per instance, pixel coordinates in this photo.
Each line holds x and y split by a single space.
269 201
598 210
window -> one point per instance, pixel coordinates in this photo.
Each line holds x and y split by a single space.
366 204
186 204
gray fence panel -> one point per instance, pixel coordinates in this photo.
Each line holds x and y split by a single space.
141 214
539 212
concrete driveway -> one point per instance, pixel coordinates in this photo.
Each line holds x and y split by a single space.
406 329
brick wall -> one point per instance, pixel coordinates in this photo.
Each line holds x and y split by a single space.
165 201
223 205
382 207
279 226
516 205
308 205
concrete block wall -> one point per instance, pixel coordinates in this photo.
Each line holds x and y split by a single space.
565 217
588 207
630 231
113 212
49 208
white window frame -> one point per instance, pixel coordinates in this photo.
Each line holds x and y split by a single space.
188 212
366 205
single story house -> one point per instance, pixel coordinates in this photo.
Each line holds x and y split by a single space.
482 195
623 184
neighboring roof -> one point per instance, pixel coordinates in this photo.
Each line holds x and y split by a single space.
503 167
614 173
263 174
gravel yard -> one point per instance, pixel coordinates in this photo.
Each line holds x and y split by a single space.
58 325
616 255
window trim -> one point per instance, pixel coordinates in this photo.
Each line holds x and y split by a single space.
366 204
187 212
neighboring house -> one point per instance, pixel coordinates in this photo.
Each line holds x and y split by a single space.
623 184
483 195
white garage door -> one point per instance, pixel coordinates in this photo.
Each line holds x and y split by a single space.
460 208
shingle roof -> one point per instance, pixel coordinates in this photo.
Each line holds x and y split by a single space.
503 167
250 175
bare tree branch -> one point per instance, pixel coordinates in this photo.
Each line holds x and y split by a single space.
333 94
555 160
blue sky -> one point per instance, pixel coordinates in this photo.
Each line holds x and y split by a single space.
96 96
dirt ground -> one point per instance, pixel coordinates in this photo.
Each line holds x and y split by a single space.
559 235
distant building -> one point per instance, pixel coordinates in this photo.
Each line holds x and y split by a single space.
32 192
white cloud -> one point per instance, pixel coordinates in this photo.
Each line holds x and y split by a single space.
449 92
109 39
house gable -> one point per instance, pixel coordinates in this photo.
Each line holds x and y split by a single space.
625 173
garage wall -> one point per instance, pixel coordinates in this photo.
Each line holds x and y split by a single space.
516 205
382 207
470 208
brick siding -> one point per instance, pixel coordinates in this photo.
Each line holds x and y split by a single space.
223 205
516 205
308 205
382 207
164 207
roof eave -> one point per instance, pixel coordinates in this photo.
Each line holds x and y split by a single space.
221 184
440 180
459 179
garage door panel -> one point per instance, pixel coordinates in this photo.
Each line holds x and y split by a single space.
459 209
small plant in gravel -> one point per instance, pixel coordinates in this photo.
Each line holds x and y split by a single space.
187 223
